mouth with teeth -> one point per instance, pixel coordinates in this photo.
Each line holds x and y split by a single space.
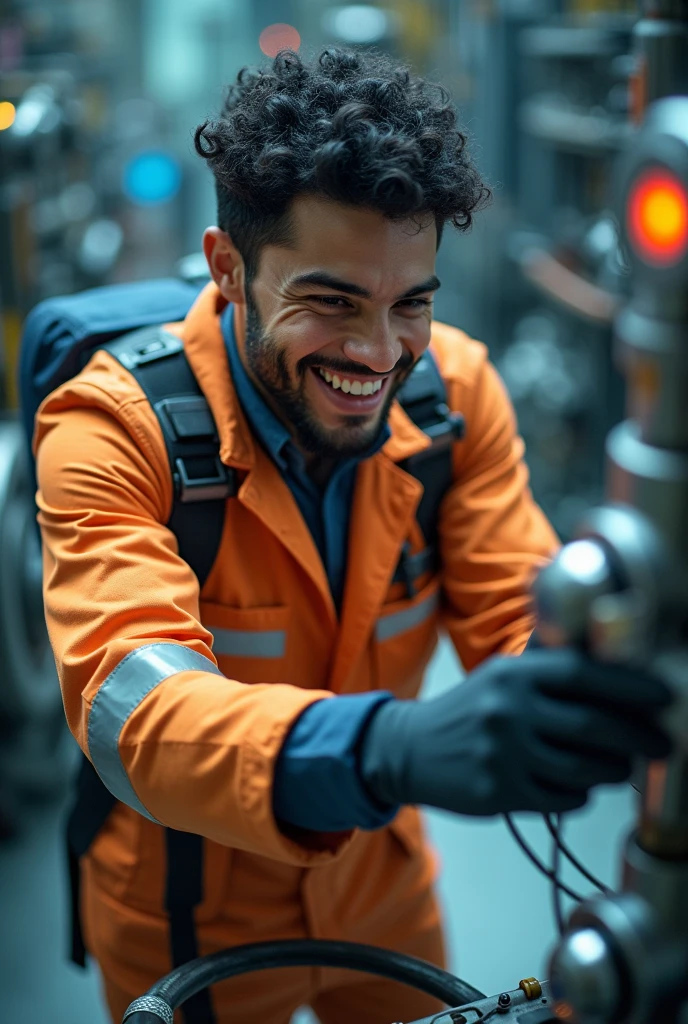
353 387
350 394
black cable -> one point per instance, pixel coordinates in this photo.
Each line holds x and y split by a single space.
554 828
555 832
185 981
534 859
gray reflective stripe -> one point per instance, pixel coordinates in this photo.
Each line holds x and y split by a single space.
121 693
398 622
248 643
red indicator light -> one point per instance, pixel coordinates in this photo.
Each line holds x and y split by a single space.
657 218
278 37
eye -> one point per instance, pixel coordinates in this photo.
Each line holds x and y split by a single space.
330 301
415 303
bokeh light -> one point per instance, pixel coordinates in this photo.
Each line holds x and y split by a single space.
658 217
278 37
359 24
8 112
151 178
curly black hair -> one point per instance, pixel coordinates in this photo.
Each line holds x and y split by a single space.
354 127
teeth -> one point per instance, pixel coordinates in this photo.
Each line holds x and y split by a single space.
351 386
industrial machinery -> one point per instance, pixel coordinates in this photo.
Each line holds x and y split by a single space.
56 237
530 1003
35 748
621 588
84 175
556 86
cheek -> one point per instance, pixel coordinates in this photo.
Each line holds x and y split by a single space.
305 337
415 335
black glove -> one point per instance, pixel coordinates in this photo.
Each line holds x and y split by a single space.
528 733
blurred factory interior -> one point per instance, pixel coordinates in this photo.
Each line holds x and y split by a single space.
99 184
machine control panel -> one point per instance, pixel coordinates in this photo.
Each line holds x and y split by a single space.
530 1003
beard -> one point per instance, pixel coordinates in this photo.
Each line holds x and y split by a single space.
269 366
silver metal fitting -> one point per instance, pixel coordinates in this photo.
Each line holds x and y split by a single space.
585 977
152 1004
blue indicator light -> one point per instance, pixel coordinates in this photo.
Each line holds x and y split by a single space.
152 178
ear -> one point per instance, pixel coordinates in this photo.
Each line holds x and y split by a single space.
225 264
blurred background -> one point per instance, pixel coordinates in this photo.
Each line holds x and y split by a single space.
99 183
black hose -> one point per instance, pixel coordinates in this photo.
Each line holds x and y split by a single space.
184 982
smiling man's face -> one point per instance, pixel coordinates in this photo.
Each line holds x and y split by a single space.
336 320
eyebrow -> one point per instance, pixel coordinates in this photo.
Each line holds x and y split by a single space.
324 280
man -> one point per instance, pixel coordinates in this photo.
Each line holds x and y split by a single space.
264 713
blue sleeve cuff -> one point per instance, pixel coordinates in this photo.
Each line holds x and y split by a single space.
317 785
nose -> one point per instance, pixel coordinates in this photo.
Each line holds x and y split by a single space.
375 347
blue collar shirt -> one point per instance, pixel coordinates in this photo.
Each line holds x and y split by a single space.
327 512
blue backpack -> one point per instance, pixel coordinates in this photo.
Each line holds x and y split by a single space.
60 335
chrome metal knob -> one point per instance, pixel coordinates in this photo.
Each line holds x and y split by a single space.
585 978
566 590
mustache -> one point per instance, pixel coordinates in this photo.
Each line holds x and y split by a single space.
404 363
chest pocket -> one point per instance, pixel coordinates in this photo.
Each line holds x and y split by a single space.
404 638
250 644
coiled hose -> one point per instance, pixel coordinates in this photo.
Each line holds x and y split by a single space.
175 988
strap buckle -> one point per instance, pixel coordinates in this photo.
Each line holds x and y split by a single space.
188 488
451 426
156 344
411 567
187 418
406 571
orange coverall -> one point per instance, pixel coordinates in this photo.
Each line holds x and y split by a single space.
194 749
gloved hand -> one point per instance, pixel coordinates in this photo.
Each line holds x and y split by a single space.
528 733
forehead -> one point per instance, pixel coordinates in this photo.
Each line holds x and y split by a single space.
356 245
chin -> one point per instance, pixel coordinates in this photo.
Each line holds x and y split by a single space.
348 441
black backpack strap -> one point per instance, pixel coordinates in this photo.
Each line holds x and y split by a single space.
424 399
201 482
183 892
92 805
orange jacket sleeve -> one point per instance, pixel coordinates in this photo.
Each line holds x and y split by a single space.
198 751
493 535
